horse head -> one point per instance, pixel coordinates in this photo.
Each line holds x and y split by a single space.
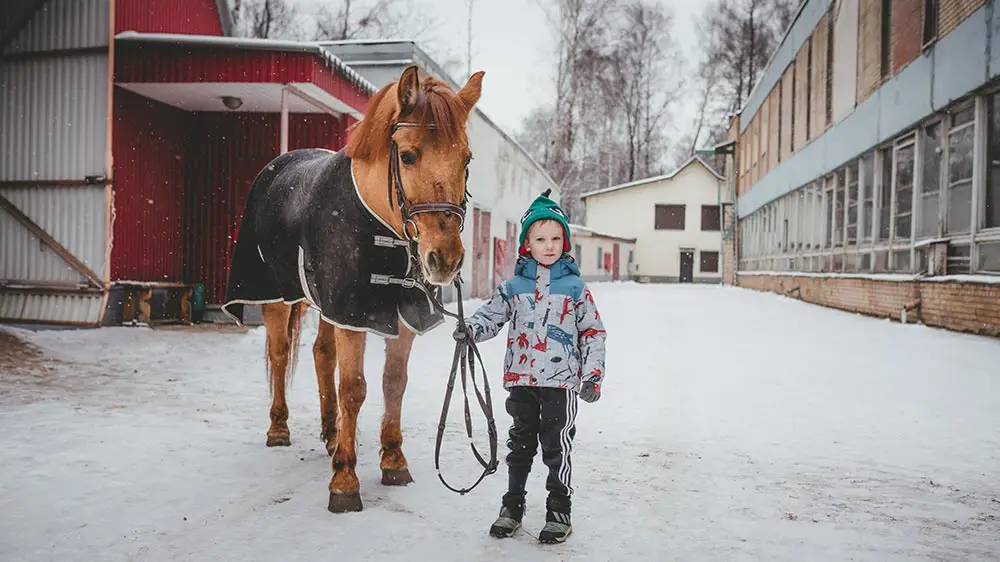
413 136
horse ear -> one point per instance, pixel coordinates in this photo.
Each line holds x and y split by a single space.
469 94
408 90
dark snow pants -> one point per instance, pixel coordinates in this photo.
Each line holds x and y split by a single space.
544 416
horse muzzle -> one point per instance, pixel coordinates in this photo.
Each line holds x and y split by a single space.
440 268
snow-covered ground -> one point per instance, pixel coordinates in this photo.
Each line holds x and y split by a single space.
734 426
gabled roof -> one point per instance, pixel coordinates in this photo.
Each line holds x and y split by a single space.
645 181
588 230
225 18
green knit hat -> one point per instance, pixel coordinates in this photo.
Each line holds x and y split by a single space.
543 208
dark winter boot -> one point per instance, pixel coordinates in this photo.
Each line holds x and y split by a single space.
508 521
557 528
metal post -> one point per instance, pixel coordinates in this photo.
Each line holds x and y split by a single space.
284 120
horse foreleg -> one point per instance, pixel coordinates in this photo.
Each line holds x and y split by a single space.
276 316
397 355
325 355
344 486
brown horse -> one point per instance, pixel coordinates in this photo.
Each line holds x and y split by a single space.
403 174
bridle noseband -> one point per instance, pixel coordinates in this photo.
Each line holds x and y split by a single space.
407 209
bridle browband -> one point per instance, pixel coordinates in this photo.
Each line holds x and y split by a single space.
407 209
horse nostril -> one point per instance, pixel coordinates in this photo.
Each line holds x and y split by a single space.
434 259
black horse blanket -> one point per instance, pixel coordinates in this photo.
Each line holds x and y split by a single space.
308 235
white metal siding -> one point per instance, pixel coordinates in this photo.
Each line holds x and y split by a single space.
53 121
64 24
845 58
73 215
53 126
60 309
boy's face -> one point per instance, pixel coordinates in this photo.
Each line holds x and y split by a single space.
545 241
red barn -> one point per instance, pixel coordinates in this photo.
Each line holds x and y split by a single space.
136 131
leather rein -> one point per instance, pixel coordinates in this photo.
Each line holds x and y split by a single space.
466 353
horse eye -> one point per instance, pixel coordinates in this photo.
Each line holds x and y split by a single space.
409 158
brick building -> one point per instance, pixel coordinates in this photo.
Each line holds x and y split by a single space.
868 162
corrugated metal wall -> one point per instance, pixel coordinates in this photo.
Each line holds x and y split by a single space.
181 180
226 154
195 17
53 135
150 152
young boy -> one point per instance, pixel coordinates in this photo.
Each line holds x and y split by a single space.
555 351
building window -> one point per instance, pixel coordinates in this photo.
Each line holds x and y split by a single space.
930 20
991 217
904 191
710 217
959 259
989 257
930 190
669 217
578 252
709 262
884 195
886 39
839 181
852 204
868 207
600 256
959 212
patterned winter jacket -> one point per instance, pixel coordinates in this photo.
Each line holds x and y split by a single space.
556 337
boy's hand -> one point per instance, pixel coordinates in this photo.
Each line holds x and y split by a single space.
461 336
590 391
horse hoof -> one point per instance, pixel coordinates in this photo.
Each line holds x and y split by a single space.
396 477
343 503
279 441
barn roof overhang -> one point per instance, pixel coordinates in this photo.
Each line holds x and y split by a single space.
226 74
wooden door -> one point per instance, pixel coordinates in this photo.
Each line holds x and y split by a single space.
616 262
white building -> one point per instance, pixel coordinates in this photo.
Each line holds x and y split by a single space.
602 256
675 220
503 178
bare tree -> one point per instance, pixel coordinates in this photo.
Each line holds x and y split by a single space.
616 80
264 19
367 19
645 63
741 35
332 21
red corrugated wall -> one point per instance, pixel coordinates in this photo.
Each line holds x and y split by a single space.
181 180
232 149
194 17
149 153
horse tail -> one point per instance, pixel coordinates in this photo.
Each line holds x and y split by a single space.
294 335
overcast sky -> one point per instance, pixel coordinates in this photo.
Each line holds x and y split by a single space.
513 43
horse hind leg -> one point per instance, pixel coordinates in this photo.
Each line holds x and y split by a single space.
397 354
281 323
344 486
325 356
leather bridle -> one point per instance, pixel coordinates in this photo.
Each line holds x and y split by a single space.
407 209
